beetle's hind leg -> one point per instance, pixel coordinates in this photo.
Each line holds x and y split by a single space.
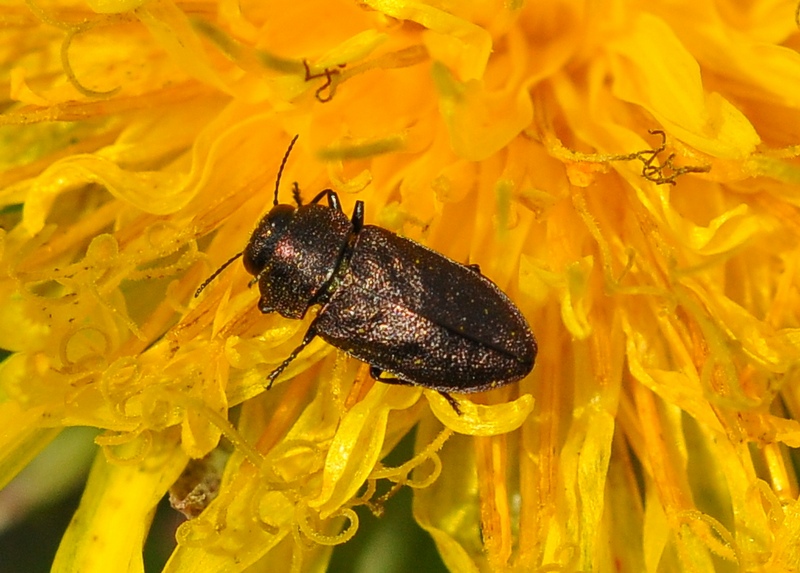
474 267
451 401
377 374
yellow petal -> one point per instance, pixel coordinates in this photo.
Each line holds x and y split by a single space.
108 531
652 68
479 420
358 443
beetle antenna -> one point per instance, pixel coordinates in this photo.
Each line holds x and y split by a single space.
216 273
280 170
296 194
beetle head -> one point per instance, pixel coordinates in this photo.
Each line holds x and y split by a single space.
271 228
260 248
263 240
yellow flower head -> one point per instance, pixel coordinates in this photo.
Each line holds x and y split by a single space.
626 171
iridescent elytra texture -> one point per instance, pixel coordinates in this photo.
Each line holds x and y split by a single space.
388 301
426 319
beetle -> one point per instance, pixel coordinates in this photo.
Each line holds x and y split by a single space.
402 308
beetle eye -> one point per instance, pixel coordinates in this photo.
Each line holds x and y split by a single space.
263 240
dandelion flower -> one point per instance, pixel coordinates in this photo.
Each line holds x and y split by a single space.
627 173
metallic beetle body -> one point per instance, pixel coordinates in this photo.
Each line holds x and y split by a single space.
388 301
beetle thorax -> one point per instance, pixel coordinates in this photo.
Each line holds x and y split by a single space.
293 253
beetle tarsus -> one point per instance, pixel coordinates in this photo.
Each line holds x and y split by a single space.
309 336
451 401
358 217
377 374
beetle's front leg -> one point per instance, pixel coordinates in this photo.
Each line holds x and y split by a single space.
333 199
309 336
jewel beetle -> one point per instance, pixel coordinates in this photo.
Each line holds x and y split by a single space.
402 308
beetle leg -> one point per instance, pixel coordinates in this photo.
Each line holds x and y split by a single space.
358 217
474 267
451 401
310 334
333 199
377 374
